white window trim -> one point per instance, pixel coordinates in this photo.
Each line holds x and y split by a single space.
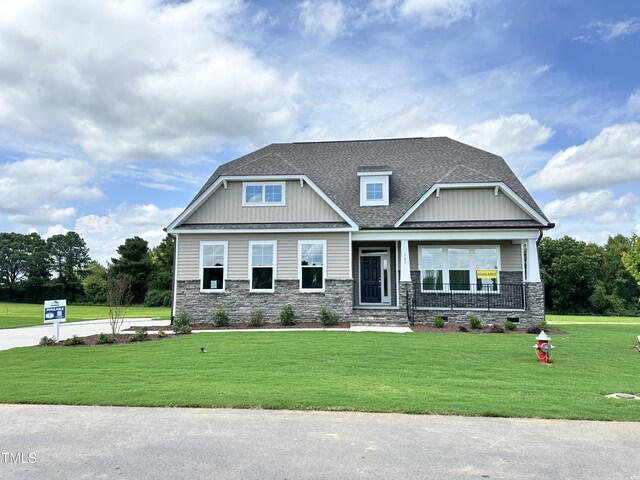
472 267
364 181
274 244
225 244
324 265
263 203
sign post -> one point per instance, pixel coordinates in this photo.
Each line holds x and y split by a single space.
55 311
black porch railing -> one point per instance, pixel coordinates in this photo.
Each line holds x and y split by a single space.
492 296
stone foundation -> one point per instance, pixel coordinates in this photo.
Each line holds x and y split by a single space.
240 302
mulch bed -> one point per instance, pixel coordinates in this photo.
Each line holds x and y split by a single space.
120 338
428 328
209 326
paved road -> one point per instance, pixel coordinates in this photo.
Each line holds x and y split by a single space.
146 443
27 336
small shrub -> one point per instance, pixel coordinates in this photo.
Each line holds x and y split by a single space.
496 328
462 328
537 328
220 317
475 322
287 315
162 334
46 341
439 322
328 317
105 338
75 340
257 317
141 335
181 323
510 326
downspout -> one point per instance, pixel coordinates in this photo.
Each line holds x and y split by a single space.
539 238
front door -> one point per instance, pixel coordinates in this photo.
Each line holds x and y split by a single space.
370 279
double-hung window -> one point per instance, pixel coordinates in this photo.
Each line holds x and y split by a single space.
262 265
461 269
263 194
312 261
213 266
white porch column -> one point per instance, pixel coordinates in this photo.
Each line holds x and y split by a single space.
533 266
405 270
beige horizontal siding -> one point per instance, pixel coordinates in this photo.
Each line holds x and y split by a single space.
468 204
287 254
302 204
510 256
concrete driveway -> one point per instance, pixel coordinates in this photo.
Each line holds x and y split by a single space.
60 442
28 336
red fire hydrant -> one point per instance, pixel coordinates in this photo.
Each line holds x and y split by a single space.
543 348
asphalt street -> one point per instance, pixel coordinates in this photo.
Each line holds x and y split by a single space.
69 442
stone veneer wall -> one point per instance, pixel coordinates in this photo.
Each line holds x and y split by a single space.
240 302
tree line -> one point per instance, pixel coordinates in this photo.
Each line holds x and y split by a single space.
586 278
33 269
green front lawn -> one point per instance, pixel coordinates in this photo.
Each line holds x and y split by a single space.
14 315
586 319
462 374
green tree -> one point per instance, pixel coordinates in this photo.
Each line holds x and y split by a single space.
631 258
69 255
161 276
134 261
22 256
94 283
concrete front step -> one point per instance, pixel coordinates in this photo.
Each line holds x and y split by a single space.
379 317
378 323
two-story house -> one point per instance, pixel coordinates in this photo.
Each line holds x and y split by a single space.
391 230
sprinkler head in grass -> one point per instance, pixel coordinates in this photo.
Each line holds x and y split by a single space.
203 350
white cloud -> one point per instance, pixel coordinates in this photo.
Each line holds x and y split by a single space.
601 206
322 18
612 157
607 31
34 191
437 13
104 233
141 79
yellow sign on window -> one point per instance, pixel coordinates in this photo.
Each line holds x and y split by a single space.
487 273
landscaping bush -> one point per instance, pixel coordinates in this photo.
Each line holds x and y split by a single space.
141 335
257 317
220 317
537 328
46 341
510 325
475 322
328 317
158 298
439 322
462 328
105 338
162 334
496 328
75 340
181 323
287 315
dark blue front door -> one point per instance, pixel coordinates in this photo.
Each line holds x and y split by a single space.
370 279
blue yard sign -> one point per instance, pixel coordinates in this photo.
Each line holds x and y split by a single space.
55 311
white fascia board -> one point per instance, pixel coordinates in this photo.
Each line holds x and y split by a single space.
451 186
445 235
191 208
263 230
247 178
374 174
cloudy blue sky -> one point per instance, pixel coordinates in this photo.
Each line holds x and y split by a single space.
113 113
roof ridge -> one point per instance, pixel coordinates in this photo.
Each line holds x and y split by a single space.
360 140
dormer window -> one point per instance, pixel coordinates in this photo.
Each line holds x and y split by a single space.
262 194
374 188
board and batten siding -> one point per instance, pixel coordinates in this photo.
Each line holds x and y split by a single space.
510 253
238 254
302 204
468 204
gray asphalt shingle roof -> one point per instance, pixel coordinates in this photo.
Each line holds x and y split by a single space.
416 165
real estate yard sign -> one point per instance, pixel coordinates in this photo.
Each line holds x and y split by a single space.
55 311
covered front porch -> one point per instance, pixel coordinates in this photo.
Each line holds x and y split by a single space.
427 274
